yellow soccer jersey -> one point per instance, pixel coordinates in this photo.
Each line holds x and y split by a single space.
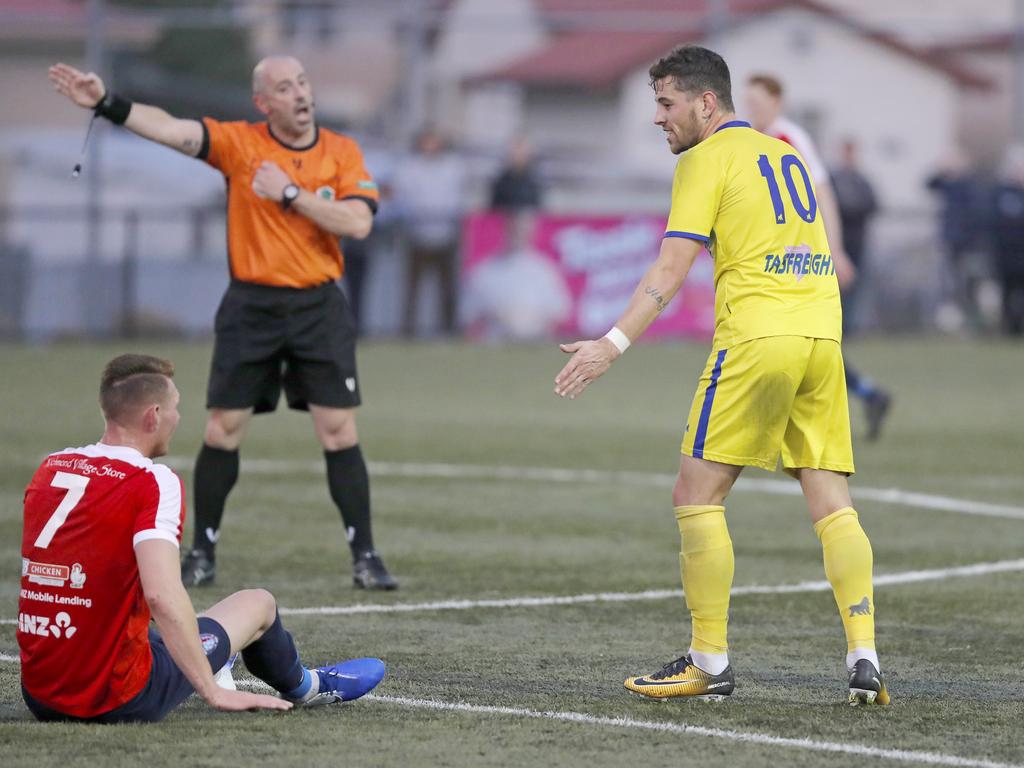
751 199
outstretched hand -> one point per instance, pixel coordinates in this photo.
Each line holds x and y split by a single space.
590 359
83 89
240 701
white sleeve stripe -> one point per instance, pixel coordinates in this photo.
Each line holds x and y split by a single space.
154 533
168 510
805 146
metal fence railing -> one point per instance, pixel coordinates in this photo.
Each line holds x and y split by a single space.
126 271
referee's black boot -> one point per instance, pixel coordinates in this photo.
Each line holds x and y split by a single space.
198 569
369 572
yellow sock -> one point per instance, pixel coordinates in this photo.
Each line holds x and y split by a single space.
706 564
847 555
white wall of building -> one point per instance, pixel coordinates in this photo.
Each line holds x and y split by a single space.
481 35
925 21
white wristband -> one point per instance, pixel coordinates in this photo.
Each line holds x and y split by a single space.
619 339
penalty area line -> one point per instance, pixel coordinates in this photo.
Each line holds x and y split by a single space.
439 471
542 601
675 728
887 579
749 737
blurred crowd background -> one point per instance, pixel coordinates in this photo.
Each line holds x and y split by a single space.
525 186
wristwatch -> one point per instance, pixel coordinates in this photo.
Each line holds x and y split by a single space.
288 195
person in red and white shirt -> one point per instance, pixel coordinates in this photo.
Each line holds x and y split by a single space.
765 105
102 526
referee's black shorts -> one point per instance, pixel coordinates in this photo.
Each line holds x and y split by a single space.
301 339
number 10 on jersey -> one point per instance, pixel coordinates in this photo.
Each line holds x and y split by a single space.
789 162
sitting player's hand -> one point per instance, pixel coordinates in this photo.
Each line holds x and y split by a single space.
589 360
240 701
83 89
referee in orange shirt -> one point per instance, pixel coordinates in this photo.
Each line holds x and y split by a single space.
293 189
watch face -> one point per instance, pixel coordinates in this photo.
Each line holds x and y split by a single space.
291 192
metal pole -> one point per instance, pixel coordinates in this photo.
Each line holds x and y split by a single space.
92 282
1018 72
130 276
415 82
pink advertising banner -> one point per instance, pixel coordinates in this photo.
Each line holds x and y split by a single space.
598 260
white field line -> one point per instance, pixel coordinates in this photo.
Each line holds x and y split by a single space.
904 577
885 579
749 737
622 477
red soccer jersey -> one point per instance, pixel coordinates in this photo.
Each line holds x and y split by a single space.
82 617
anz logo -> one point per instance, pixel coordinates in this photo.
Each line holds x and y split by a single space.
59 626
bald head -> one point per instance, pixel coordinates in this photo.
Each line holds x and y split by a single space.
282 92
272 69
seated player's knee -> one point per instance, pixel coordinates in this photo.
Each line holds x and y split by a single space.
263 603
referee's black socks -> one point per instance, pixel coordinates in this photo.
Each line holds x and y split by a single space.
349 484
216 474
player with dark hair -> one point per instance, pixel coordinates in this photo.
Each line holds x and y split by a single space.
102 524
293 189
765 102
774 381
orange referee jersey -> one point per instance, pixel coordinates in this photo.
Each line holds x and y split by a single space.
267 244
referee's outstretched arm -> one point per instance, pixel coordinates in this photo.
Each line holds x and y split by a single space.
88 91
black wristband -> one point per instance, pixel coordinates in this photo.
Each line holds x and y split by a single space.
113 107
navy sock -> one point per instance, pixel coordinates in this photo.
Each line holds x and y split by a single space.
349 484
275 660
302 688
861 386
216 473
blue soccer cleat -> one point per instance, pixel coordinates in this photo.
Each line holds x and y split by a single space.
346 681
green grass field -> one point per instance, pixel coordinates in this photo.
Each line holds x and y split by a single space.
950 645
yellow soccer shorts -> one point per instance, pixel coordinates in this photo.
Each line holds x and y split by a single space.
777 394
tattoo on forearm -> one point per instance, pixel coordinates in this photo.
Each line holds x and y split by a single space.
657 297
189 144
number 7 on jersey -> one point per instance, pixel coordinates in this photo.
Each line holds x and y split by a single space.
75 485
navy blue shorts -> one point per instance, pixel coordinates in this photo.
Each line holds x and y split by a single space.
166 688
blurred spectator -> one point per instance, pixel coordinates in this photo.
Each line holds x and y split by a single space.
429 194
857 205
357 254
360 254
961 191
1008 237
519 294
517 187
